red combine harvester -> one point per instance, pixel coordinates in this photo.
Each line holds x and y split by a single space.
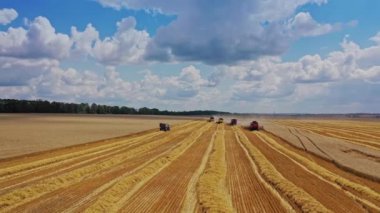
254 125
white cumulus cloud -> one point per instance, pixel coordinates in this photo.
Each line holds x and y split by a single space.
38 40
226 32
304 25
83 42
7 15
126 46
272 78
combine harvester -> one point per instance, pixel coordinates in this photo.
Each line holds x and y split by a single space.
254 126
233 122
220 121
211 119
164 127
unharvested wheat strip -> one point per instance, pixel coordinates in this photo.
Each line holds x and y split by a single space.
96 156
283 202
23 195
115 197
211 189
326 174
191 194
364 202
5 173
108 185
301 198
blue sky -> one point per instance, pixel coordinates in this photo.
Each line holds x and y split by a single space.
310 56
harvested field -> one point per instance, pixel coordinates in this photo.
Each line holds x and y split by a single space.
196 167
361 158
28 133
357 132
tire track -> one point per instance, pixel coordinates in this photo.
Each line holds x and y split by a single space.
316 146
299 139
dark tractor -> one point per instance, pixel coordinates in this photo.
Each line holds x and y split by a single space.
164 127
254 125
233 122
211 119
220 121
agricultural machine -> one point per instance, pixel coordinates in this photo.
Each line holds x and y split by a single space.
164 127
220 121
254 125
211 119
233 122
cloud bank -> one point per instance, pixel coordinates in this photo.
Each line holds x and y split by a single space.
241 42
226 32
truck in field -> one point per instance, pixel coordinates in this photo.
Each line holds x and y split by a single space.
233 122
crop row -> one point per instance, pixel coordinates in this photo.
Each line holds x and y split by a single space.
326 174
32 191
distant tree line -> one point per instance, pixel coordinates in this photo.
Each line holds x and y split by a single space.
42 106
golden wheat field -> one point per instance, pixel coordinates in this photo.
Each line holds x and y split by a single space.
29 133
202 166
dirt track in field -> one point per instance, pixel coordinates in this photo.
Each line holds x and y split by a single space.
196 167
